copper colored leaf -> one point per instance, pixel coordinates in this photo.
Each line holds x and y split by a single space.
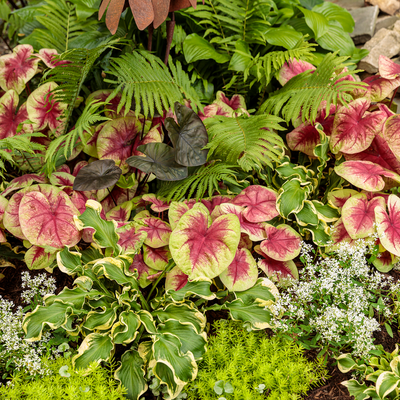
114 14
161 9
143 13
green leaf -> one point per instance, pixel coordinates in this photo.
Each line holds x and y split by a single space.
291 197
70 262
318 23
74 297
219 387
309 4
101 320
355 389
335 38
386 383
284 36
241 58
389 329
196 48
333 12
197 288
345 363
126 329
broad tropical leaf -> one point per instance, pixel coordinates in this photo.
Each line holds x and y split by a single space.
37 258
158 231
292 68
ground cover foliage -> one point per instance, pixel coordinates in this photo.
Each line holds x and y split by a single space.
251 176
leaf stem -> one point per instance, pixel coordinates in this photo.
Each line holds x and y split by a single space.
168 268
109 191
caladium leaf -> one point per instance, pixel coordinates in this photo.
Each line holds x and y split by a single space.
388 225
78 166
260 203
175 279
43 110
359 215
17 68
159 203
385 261
354 128
387 68
391 134
47 218
131 239
62 179
176 212
378 88
97 175
142 269
91 136
215 201
49 57
23 181
112 105
292 68
3 205
237 103
158 231
339 197
215 109
37 258
201 248
117 195
339 234
283 243
160 160
188 136
365 175
156 258
121 212
241 273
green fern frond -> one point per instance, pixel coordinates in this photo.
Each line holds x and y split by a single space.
145 81
205 179
303 94
248 141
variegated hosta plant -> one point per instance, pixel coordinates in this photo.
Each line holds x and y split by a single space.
164 335
382 372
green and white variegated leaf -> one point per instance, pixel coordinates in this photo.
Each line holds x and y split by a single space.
145 350
84 282
346 363
131 374
148 321
101 320
126 329
357 390
326 212
128 298
199 288
395 365
386 383
75 297
53 316
105 234
307 215
95 347
190 339
70 262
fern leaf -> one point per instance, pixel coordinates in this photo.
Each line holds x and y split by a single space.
248 141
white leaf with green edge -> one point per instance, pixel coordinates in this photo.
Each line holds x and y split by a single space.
241 58
386 383
74 297
101 320
318 23
126 329
53 316
37 258
201 248
345 363
356 389
333 12
95 347
284 36
131 373
105 231
200 288
291 197
189 338
70 262
196 48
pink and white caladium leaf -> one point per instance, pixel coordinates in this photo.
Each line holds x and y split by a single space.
62 179
158 231
121 212
175 279
43 109
388 225
64 168
215 109
11 121
3 205
245 241
236 103
22 182
355 128
283 243
37 258
158 203
142 269
359 215
90 139
378 88
241 273
339 234
385 261
49 57
156 258
292 68
201 248
130 238
365 175
391 134
78 167
277 270
387 68
47 218
17 68
337 198
254 230
260 203
215 201
176 212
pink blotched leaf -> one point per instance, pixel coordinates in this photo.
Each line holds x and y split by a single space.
142 269
387 68
241 273
339 197
62 179
365 175
47 218
17 68
215 201
3 238
391 134
176 212
130 238
91 136
236 104
158 203
121 212
37 258
78 167
260 203
201 248
22 182
245 241
49 57
283 243
175 279
118 195
388 225
359 215
64 168
339 233
292 68
214 109
385 261
158 231
43 110
156 258
3 205
355 128
10 119
378 88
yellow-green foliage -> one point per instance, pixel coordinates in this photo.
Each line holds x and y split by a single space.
248 361
66 383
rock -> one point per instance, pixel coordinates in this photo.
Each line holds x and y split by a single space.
396 26
365 21
384 42
349 4
391 7
386 21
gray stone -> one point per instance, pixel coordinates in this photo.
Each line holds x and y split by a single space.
349 4
386 43
391 7
365 21
386 21
396 26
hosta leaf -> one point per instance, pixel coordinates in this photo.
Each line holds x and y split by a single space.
156 258
70 262
95 347
241 273
200 288
101 320
260 203
201 248
356 389
283 243
126 329
158 232
386 383
37 258
291 197
365 175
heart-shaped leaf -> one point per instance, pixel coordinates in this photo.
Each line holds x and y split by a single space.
130 238
97 175
215 201
176 212
156 258
175 279
201 248
22 182
339 234
158 231
385 261
142 269
339 197
37 258
378 88
49 57
292 68
388 69
158 203
188 136
391 134
159 160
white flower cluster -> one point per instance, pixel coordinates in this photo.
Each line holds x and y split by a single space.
39 285
333 296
